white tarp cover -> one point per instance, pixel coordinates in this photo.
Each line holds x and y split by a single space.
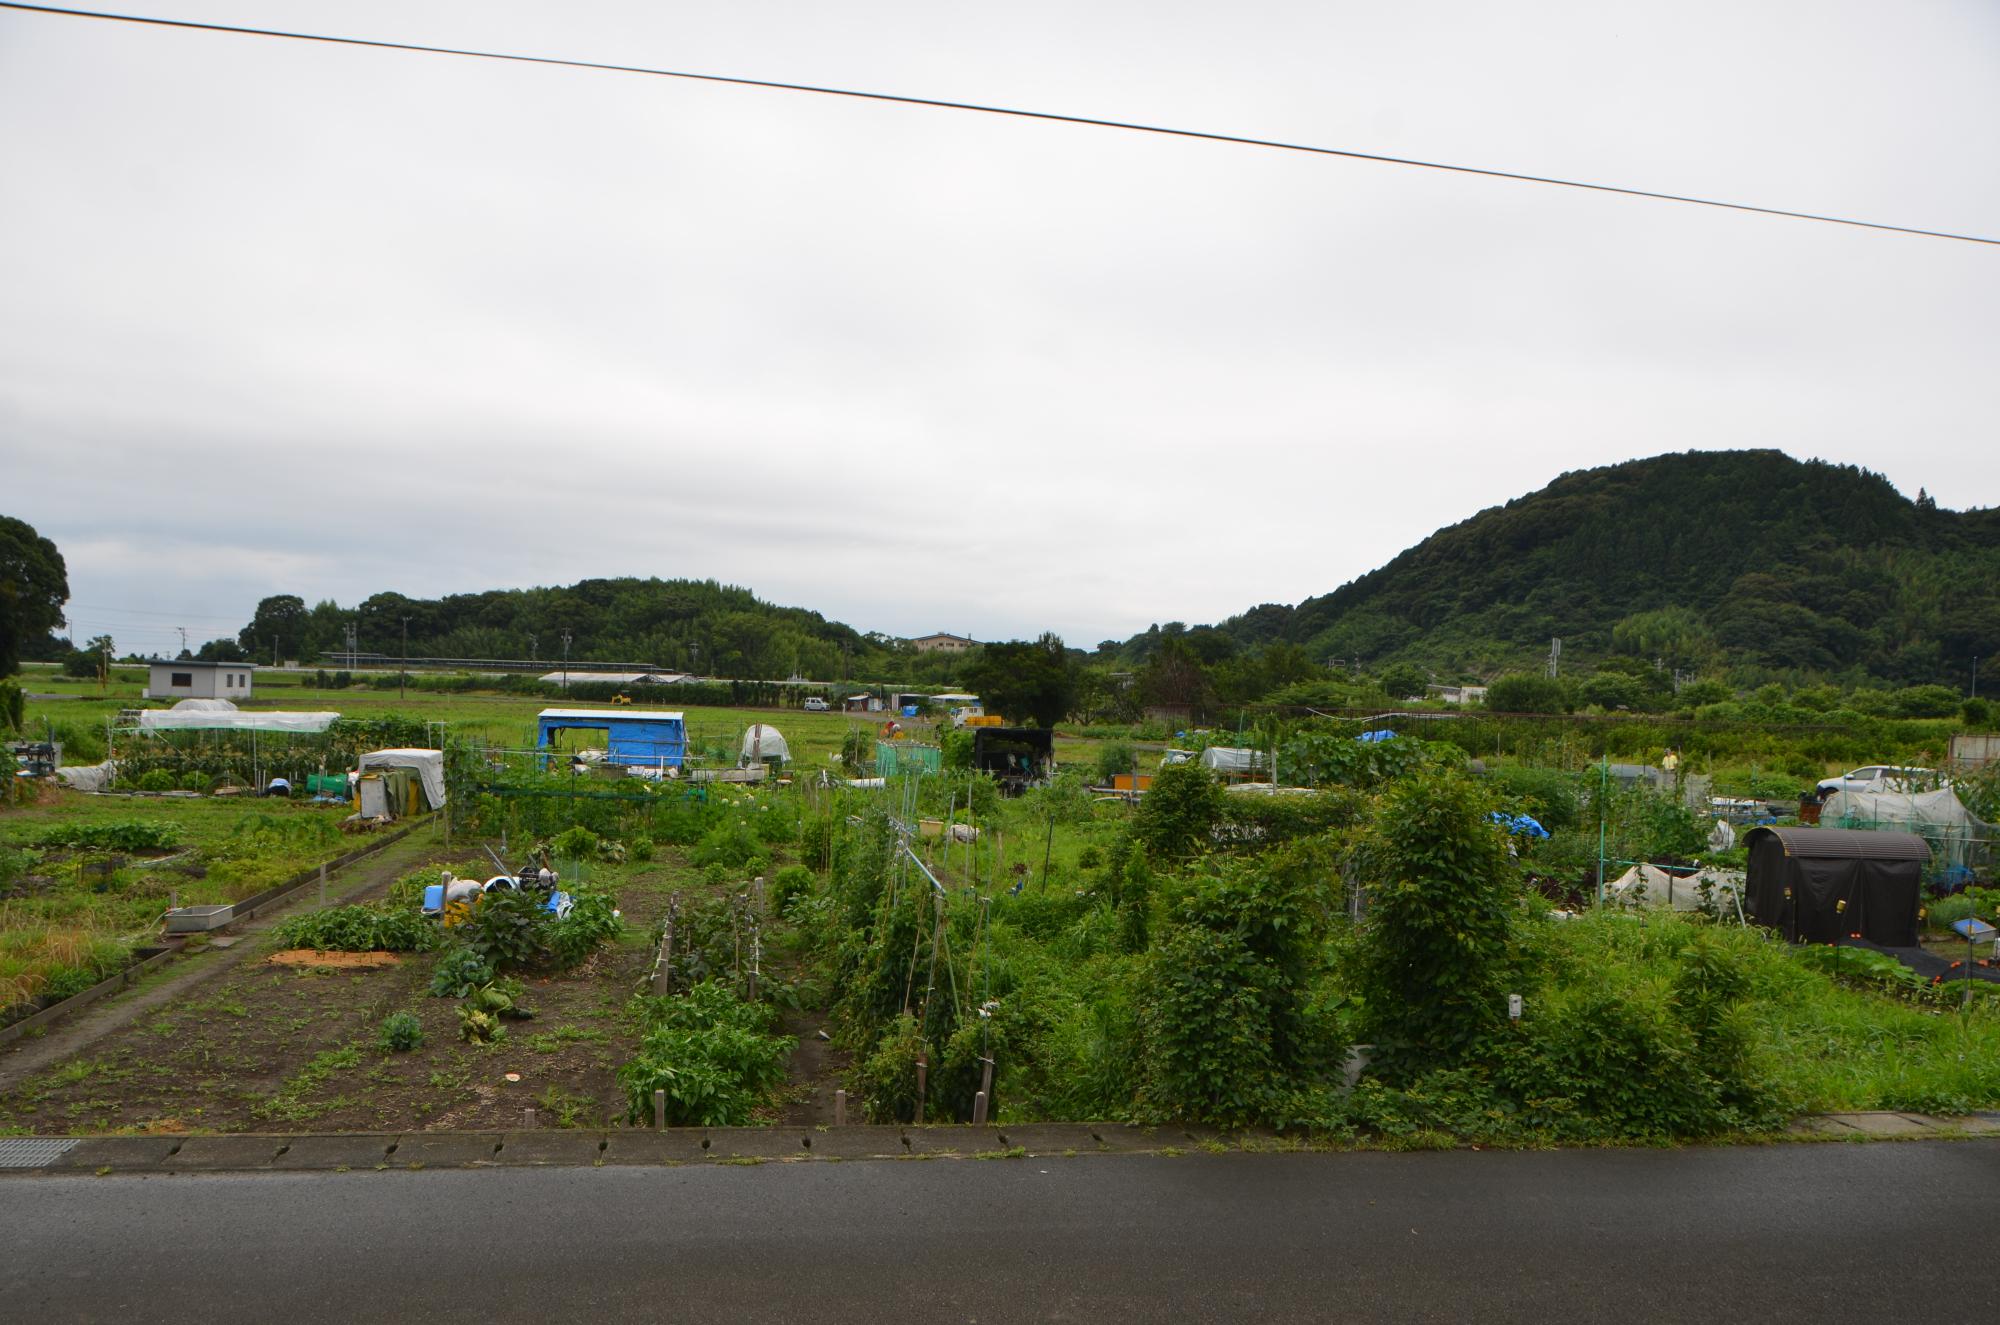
428 763
195 720
1649 885
763 741
1938 817
88 777
1939 809
204 706
1224 759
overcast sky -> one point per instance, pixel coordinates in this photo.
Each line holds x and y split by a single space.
278 317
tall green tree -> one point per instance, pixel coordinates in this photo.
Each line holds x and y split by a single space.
1027 682
34 585
278 624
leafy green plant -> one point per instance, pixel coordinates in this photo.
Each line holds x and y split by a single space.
158 779
577 843
114 835
361 928
401 1032
509 929
789 884
459 972
481 1015
888 1075
716 1057
592 919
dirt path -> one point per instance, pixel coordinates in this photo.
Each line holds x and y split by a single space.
815 1072
70 1038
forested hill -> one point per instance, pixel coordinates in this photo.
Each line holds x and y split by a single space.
1739 558
697 625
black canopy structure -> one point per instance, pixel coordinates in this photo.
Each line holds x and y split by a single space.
1821 885
1016 757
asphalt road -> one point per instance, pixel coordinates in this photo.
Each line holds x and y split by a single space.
1833 1232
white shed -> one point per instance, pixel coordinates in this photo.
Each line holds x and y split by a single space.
188 679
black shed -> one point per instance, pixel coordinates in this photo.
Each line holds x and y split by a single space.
1016 757
1820 885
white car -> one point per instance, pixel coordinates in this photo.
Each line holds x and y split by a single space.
1880 777
814 704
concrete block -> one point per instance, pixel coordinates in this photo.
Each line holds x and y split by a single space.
575 1149
118 1153
675 1145
751 1142
361 1150
867 1142
1822 1126
1883 1124
224 1154
447 1150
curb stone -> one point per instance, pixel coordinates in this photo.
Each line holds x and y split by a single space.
628 1148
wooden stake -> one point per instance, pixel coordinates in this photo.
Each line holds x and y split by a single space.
660 1110
840 1108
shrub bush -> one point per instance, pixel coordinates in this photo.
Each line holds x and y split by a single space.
1439 939
1113 758
1180 812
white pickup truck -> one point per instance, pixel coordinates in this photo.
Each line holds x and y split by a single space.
1880 777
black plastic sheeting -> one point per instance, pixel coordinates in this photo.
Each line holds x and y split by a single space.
1932 966
1825 898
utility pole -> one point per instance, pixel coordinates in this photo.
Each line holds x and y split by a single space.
1555 657
531 648
184 639
565 684
403 678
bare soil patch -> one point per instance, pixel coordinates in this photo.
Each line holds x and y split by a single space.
366 961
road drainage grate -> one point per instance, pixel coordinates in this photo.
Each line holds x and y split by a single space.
17 1153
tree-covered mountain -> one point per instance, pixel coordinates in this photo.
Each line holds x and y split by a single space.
695 625
1749 561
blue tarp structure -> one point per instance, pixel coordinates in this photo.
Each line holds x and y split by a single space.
1519 825
646 738
1374 736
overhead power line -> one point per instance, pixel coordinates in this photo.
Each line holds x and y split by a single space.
1016 112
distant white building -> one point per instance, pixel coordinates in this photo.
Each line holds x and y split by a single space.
1457 694
943 643
188 679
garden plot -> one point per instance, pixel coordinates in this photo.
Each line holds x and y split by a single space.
299 1044
84 879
